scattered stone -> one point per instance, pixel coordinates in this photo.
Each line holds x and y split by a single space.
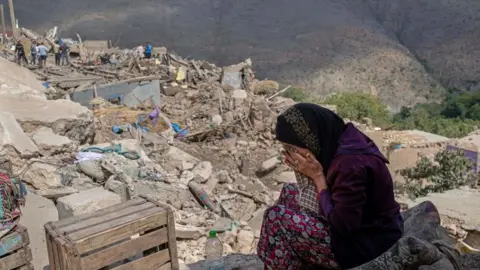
117 187
244 241
217 120
286 177
50 143
42 176
187 165
188 232
203 170
270 164
87 201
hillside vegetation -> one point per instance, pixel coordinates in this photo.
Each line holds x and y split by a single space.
456 116
403 51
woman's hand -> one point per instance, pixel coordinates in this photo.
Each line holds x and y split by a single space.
303 161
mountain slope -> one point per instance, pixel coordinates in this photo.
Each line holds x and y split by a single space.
406 51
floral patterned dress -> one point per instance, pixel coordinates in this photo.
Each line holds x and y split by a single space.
292 238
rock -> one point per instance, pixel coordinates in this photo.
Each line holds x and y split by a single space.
42 176
286 177
118 188
19 81
50 143
203 170
223 177
256 222
252 144
244 241
56 193
64 117
187 165
93 169
242 143
212 183
265 87
217 120
177 154
72 178
14 143
270 164
222 224
87 201
188 232
239 94
186 177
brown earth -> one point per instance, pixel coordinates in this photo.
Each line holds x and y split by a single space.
405 51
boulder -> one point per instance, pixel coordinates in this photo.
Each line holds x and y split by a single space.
14 143
42 176
85 202
50 143
203 171
64 117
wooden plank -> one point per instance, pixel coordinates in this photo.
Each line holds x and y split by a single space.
17 259
48 239
105 218
166 266
172 241
153 261
116 230
113 208
16 240
79 79
124 250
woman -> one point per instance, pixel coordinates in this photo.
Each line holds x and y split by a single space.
342 213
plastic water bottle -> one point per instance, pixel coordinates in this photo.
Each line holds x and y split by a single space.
214 252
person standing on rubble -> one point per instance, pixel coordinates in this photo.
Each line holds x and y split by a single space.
57 53
342 213
65 51
148 51
20 52
43 52
34 53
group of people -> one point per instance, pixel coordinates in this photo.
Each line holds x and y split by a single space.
144 51
39 53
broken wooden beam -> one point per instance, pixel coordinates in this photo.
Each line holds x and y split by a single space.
60 80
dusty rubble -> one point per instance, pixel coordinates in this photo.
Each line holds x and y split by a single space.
200 128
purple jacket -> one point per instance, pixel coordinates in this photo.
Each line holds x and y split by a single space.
360 206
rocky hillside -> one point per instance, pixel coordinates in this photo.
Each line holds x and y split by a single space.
406 51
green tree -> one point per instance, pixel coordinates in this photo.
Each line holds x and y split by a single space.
356 106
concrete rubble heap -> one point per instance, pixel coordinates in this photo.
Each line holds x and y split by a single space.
201 128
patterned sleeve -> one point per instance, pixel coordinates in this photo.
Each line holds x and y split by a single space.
343 204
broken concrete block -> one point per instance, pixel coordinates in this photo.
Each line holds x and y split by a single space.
50 143
87 201
56 193
42 176
239 94
14 143
244 241
117 187
270 164
187 165
188 232
286 177
256 222
64 117
212 183
232 79
177 154
203 170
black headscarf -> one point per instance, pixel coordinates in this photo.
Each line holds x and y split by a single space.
312 127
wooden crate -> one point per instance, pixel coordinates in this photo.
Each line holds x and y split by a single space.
14 250
104 239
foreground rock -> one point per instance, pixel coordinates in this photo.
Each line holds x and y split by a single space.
64 117
51 143
14 143
87 201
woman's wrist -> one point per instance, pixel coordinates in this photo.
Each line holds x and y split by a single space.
320 181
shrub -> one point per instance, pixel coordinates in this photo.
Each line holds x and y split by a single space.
448 170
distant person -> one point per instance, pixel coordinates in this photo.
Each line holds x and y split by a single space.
139 51
43 52
65 51
57 53
34 53
148 51
20 52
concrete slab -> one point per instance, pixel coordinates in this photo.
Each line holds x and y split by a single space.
50 143
16 80
13 141
64 117
87 201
